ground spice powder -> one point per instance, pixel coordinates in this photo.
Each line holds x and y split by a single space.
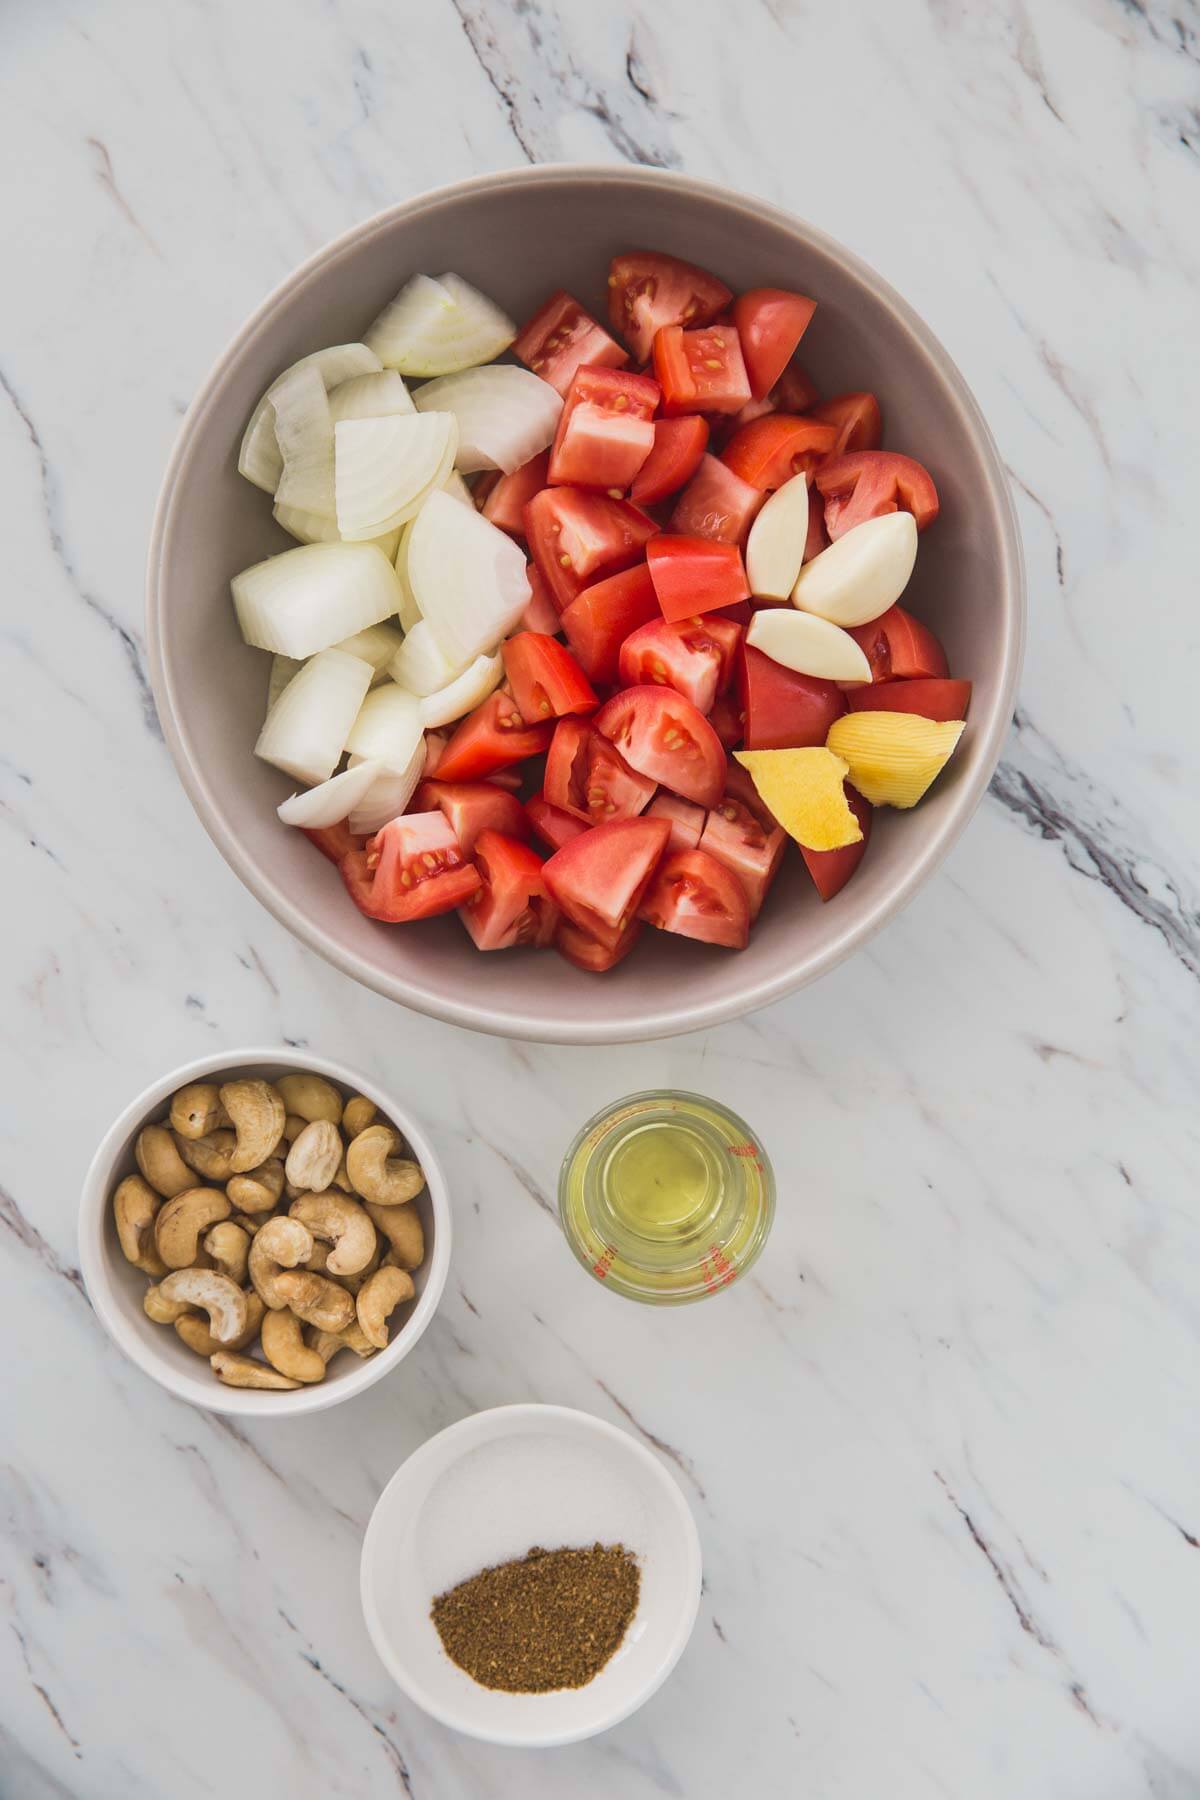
550 1619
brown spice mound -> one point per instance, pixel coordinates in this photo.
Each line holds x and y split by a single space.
550 1619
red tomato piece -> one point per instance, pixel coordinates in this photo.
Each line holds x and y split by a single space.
560 337
780 709
491 737
795 391
541 614
856 418
554 826
604 431
726 720
695 575
700 371
770 450
898 646
746 839
435 749
598 879
770 323
508 496
412 869
511 906
600 620
336 841
509 779
587 952
932 698
647 290
685 819
693 656
674 459
868 483
545 679
471 807
695 896
716 504
574 534
666 739
818 538
587 776
832 869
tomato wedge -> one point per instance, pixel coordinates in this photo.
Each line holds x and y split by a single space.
700 371
932 698
770 323
511 906
666 739
685 819
693 656
491 737
587 952
726 720
471 807
674 459
587 776
647 290
856 418
600 620
898 646
336 841
574 534
832 869
740 833
868 483
506 498
818 538
412 869
560 337
541 614
545 679
599 878
695 896
695 575
554 826
770 450
716 504
604 431
782 710
795 391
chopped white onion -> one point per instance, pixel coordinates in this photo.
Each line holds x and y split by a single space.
456 487
376 396
304 432
282 670
438 327
775 547
331 801
310 598
317 528
386 467
468 578
259 459
420 665
376 645
307 729
387 727
408 610
463 695
505 415
389 794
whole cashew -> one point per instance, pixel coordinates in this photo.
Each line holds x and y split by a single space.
311 1096
314 1299
244 1372
194 1332
285 1349
218 1296
360 1112
336 1219
279 1244
163 1312
376 1173
210 1156
181 1220
258 1190
401 1226
135 1208
328 1343
319 1260
378 1298
293 1125
229 1247
196 1110
249 1222
342 1179
352 1283
160 1162
258 1114
315 1157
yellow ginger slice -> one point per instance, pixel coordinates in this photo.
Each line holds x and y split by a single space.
894 757
805 790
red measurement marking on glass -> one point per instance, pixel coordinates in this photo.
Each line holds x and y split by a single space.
717 1269
604 1263
742 1149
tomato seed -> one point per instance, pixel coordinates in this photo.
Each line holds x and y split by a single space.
406 879
712 362
621 402
565 560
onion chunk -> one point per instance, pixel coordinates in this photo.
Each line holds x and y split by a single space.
310 598
439 327
505 415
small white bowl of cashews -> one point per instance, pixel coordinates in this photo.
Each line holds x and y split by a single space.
265 1232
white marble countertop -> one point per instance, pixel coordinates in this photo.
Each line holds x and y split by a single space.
942 1448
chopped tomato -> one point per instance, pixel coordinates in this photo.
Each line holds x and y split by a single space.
587 952
491 737
560 337
696 896
865 484
587 776
412 869
574 534
507 497
471 807
512 906
554 826
832 869
604 430
545 679
666 739
647 290
726 720
694 656
783 710
770 450
933 698
435 749
716 504
700 371
695 575
770 323
857 419
599 878
747 840
541 614
897 645
600 620
685 819
509 779
795 391
674 459
336 841
818 538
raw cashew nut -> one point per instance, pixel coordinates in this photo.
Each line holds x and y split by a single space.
376 1173
328 1343
229 1247
352 1283
336 1219
163 1312
210 1156
293 1125
314 1299
401 1226
342 1179
319 1259
258 1115
244 1372
160 1162
311 1096
222 1299
315 1157
360 1112
378 1298
249 1222
279 1244
181 1220
135 1208
193 1331
196 1110
285 1349
258 1190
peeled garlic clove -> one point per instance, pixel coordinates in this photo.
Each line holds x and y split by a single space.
807 644
805 791
893 757
862 573
775 547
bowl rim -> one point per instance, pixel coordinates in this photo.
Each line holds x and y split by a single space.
691 1012
94 1252
514 1416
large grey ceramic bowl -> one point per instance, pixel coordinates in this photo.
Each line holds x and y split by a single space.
518 235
